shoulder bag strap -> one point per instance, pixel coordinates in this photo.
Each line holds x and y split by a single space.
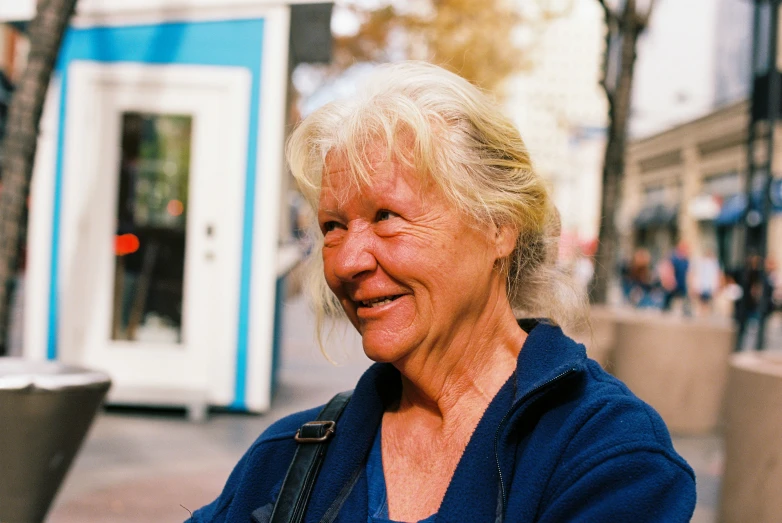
313 439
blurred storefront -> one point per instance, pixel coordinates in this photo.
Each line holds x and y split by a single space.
688 183
159 193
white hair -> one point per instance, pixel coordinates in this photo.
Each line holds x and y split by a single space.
453 134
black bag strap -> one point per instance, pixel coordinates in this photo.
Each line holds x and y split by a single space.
313 439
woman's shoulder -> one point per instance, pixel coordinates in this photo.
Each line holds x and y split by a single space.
286 427
257 477
609 402
609 420
611 454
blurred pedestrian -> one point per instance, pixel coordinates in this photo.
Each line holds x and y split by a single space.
706 280
642 285
774 279
677 287
748 311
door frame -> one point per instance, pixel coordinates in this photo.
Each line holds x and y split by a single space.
113 38
210 378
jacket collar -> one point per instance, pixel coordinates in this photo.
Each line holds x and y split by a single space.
546 355
546 358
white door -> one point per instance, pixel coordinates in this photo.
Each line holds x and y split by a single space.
152 228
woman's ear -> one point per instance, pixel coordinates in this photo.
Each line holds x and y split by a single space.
505 237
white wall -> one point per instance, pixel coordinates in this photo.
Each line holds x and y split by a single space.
560 110
13 10
676 66
17 10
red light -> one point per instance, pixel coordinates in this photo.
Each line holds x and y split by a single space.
175 207
125 244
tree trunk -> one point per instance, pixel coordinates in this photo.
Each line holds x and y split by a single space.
45 31
614 164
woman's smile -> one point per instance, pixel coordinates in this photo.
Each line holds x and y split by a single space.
394 253
379 307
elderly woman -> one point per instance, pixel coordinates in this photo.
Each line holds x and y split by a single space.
435 233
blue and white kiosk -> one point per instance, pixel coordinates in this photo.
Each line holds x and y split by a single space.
154 236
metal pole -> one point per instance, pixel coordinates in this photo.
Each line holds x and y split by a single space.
765 204
743 272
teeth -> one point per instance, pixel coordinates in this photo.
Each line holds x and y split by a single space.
376 302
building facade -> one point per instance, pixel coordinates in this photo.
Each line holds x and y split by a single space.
688 184
154 244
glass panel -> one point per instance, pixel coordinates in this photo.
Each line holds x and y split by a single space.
151 223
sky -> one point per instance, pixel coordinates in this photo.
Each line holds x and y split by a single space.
676 66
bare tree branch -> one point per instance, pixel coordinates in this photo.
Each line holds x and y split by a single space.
24 114
610 20
608 92
610 15
624 34
642 21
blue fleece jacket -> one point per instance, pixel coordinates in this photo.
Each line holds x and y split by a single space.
562 441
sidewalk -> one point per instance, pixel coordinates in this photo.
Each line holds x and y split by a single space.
140 466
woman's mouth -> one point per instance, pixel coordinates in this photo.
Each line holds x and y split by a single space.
378 302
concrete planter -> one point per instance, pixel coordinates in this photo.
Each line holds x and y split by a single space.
46 409
752 482
677 365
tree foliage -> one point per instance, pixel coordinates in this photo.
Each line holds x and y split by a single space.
484 41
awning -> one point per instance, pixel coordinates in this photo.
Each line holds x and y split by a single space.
776 195
734 207
657 215
732 210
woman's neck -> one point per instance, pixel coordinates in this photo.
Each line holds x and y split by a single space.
459 379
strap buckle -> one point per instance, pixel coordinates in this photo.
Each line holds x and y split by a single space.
325 429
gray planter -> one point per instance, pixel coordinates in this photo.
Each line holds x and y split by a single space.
752 481
677 365
46 409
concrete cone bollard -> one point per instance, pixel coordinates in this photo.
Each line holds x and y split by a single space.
46 409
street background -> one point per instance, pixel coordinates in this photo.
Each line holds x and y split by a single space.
154 234
138 466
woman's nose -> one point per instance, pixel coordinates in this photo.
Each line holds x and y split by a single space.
355 256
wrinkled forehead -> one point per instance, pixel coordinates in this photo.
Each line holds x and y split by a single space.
377 168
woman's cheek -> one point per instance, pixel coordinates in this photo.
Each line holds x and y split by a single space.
328 266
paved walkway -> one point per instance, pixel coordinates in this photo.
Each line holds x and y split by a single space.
140 466
144 466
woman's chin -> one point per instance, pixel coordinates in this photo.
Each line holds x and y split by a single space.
382 349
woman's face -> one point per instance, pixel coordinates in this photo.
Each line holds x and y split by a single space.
407 267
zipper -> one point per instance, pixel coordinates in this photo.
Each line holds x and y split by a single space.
505 418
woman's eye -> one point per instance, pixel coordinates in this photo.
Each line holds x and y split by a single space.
330 226
384 215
